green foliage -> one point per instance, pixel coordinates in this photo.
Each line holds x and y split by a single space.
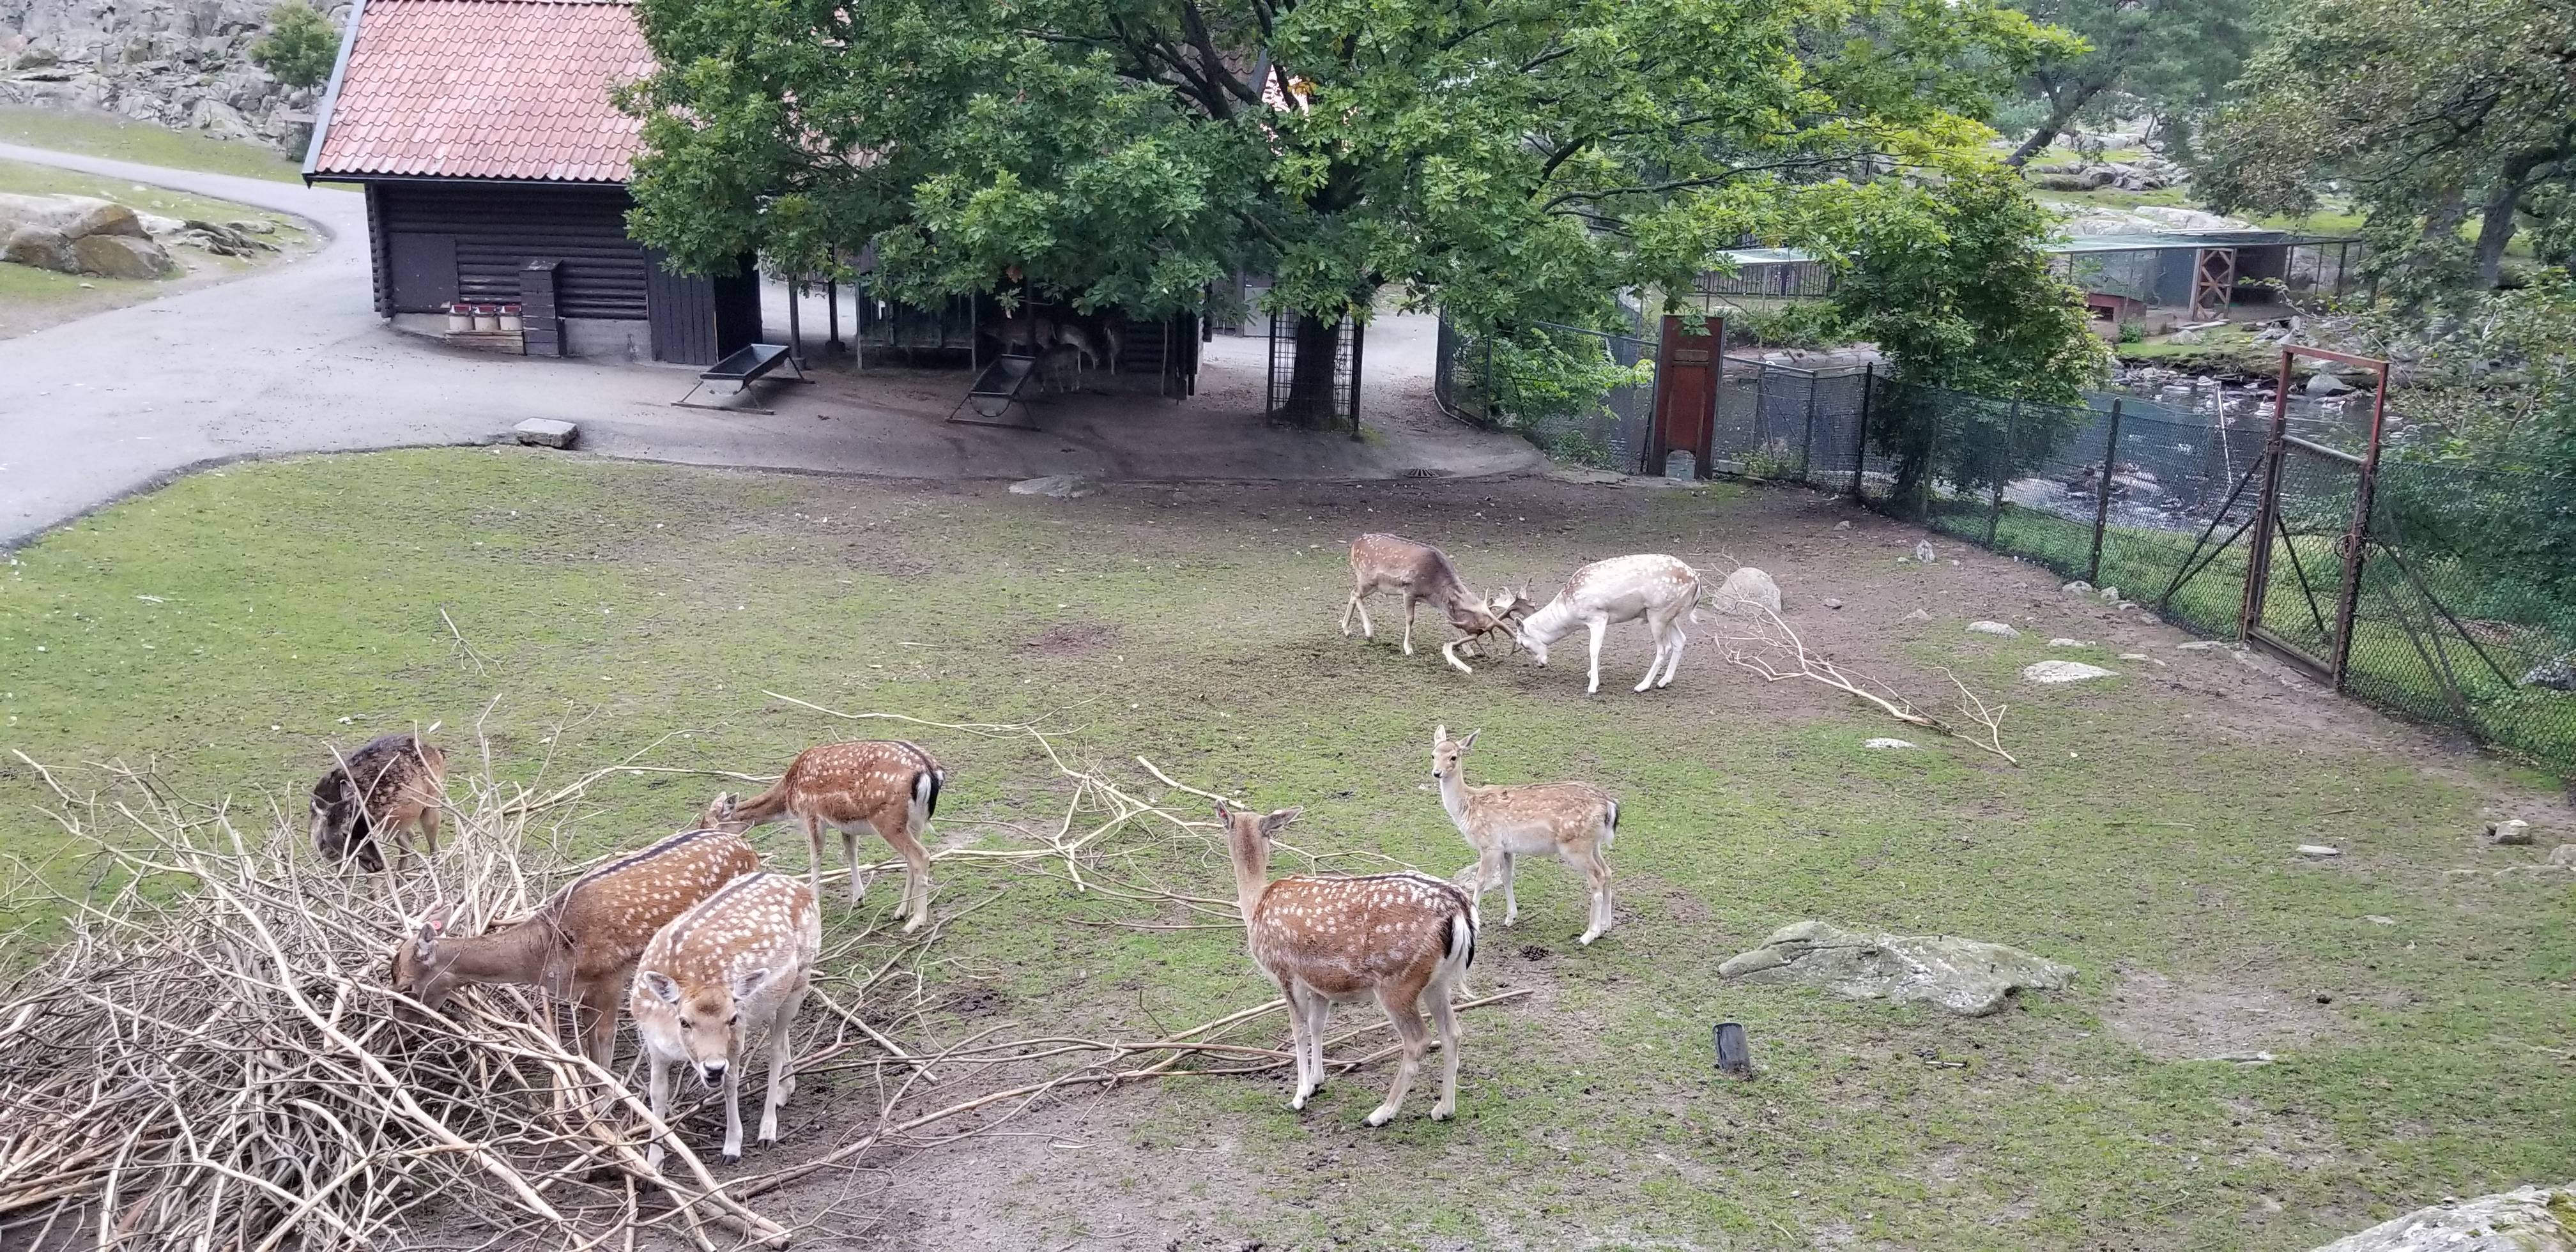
1512 161
1553 384
2446 122
300 46
2167 58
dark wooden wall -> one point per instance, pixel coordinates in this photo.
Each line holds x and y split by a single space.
438 242
697 320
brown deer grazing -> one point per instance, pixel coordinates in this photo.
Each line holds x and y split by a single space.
1574 820
1404 938
1420 572
737 963
395 783
889 787
581 944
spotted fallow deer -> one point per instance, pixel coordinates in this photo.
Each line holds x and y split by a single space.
394 784
1660 589
582 943
1573 820
1405 939
738 963
889 787
1419 573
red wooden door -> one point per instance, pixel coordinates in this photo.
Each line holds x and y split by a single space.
1686 377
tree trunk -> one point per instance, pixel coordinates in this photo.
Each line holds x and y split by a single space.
1310 379
2495 229
2062 109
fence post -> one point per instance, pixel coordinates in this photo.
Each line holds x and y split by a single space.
2357 539
2102 496
2003 466
1860 434
1807 441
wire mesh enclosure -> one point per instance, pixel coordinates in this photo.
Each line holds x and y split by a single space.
1315 371
1580 395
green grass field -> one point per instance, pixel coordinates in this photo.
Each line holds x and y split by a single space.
107 135
224 630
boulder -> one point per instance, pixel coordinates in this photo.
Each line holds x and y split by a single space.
546 432
2563 854
1923 552
41 247
1963 976
122 256
2055 672
1887 743
1054 486
2557 675
74 216
2000 630
2529 1219
1746 590
2513 832
2322 383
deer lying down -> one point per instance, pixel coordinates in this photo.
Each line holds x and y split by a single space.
1574 821
1420 572
392 785
1660 589
582 943
1404 939
738 963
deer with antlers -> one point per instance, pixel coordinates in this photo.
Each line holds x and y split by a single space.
737 963
1574 820
888 787
1660 589
582 943
1404 939
1419 573
395 783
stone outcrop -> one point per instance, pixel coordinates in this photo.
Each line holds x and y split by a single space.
184 64
1964 976
87 235
2530 1219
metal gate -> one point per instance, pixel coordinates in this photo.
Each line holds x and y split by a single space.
2311 526
1315 370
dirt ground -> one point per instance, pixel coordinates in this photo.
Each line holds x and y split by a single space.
2410 993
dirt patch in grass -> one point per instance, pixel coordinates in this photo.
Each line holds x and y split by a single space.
2209 1019
1072 639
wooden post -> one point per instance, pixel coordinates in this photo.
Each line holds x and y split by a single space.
1860 433
2003 466
2102 494
832 313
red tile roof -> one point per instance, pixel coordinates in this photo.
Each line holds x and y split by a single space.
487 89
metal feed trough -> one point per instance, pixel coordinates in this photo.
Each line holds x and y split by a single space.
997 392
740 369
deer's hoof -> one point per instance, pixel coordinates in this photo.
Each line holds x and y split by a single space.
1442 1112
730 1155
1382 1116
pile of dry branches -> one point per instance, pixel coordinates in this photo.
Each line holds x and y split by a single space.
210 1057
1765 645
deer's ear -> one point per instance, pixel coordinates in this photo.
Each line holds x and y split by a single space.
660 984
1270 825
750 980
1439 735
1469 741
1224 815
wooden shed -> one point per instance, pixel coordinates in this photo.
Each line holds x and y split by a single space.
495 168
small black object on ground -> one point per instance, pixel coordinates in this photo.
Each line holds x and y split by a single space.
1734 1056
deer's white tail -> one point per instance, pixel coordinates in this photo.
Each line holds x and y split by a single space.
925 799
1610 826
1461 949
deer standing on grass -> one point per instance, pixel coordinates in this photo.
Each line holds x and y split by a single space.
1660 589
1574 820
739 962
395 783
888 787
1405 939
582 943
1420 572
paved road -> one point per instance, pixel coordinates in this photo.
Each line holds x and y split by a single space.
294 359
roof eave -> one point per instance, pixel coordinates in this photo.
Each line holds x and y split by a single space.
331 93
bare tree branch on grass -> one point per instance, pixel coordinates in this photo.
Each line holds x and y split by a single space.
1775 653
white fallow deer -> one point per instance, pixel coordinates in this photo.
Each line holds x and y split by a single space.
738 963
582 943
1405 939
1419 573
1574 821
1660 589
888 787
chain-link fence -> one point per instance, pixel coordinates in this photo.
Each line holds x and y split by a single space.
2441 617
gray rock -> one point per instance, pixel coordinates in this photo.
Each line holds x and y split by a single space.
2110 595
2514 832
2066 643
1745 590
2322 383
74 216
2000 630
43 248
2056 672
1918 615
2528 1219
1055 486
1923 551
2563 854
2078 588
1963 976
2199 645
2318 850
546 432
1888 743
1830 602
122 256
2557 675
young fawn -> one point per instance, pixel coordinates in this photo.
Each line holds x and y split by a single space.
395 783
582 943
1420 572
1405 939
1660 589
737 963
889 787
1574 820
